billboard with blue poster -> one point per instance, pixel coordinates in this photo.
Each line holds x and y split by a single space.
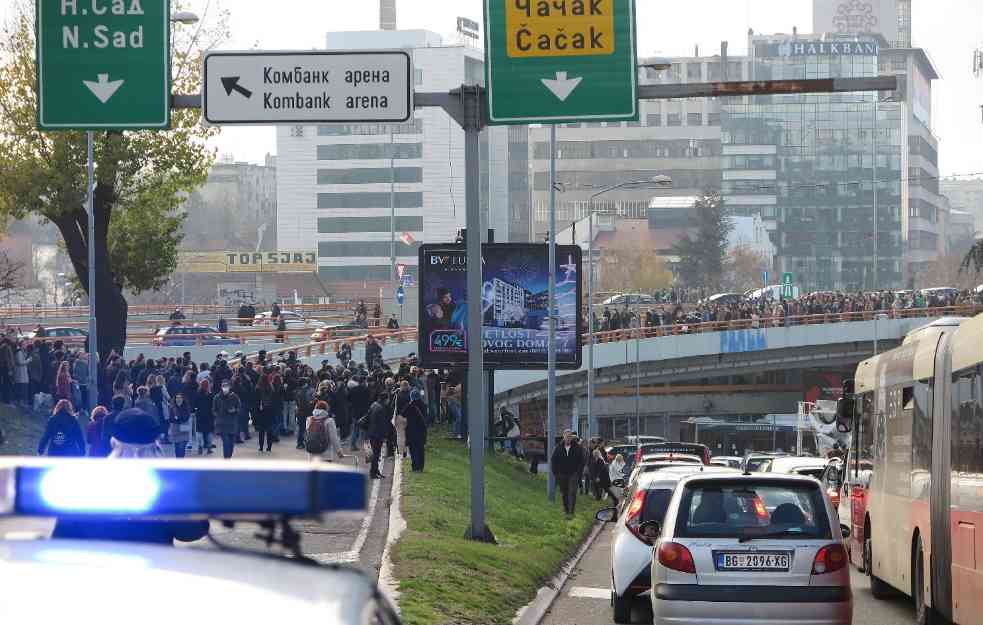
515 285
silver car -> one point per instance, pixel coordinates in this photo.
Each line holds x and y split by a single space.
750 550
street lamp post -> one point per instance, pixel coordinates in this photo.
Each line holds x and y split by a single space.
658 180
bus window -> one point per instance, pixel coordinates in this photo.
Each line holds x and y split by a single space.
863 456
967 438
921 448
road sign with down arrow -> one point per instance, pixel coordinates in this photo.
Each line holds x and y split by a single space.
103 65
551 61
264 88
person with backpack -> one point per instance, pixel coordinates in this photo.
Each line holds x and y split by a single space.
321 438
62 436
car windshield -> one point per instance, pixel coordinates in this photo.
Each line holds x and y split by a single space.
748 509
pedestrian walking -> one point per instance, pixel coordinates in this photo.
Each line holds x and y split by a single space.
225 410
378 431
62 436
321 438
415 415
179 424
601 477
567 464
204 417
93 433
264 419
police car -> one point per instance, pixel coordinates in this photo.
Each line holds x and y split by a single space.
111 558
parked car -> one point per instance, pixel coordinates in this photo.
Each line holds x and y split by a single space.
294 321
185 336
759 461
326 333
773 292
630 299
734 462
68 335
657 462
813 467
723 299
749 548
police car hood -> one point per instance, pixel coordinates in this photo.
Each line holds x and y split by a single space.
61 581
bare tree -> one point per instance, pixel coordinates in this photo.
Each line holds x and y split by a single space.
11 273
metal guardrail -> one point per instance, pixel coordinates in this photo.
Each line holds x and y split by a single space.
333 346
648 332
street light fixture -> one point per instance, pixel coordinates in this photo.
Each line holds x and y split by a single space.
185 17
656 180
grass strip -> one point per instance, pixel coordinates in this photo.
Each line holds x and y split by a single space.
445 579
23 431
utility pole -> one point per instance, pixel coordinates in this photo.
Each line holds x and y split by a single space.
551 304
93 329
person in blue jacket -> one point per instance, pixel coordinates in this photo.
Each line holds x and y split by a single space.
63 434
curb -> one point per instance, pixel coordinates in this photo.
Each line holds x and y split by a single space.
397 525
536 610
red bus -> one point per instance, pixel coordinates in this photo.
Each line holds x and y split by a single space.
915 470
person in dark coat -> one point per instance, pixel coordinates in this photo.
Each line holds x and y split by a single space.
63 435
225 408
379 426
204 418
416 429
567 464
600 476
263 418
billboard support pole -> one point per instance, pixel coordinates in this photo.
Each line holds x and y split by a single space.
471 97
551 309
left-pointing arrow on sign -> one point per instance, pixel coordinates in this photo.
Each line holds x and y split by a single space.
104 88
231 83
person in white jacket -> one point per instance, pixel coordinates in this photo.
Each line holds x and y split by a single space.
616 470
332 450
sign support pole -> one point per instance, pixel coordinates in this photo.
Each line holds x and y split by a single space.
93 338
551 361
471 97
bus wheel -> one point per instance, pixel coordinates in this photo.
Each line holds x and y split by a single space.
924 615
878 588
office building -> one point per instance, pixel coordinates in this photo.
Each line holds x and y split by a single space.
965 195
805 162
338 184
676 138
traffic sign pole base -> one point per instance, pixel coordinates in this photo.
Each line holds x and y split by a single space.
485 536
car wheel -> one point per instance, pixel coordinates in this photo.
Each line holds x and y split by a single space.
924 615
622 609
878 588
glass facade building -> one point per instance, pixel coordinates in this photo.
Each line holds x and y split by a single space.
818 167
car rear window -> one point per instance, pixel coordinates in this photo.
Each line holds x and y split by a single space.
816 472
752 509
656 504
757 464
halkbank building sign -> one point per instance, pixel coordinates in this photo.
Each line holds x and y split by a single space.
798 47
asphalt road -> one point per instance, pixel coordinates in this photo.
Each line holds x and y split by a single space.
585 598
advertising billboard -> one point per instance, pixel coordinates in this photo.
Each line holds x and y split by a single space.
514 301
247 262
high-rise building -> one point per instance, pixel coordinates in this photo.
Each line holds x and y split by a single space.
338 185
675 138
387 14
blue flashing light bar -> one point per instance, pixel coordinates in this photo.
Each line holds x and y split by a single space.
91 488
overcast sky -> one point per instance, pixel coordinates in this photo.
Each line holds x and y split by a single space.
948 29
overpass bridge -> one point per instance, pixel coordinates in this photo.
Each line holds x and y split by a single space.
684 369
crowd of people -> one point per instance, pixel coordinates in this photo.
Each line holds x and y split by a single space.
337 409
767 310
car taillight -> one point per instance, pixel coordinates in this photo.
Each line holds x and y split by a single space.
829 559
676 557
638 455
633 518
760 510
706 456
834 496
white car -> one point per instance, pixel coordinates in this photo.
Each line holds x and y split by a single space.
294 321
657 462
813 467
744 549
733 462
631 552
630 299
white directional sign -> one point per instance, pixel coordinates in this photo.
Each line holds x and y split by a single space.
268 88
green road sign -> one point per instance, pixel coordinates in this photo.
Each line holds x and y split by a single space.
553 61
787 291
103 64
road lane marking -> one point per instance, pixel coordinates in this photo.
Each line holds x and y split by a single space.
345 557
583 592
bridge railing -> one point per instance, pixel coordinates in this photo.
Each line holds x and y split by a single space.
333 346
410 334
648 332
